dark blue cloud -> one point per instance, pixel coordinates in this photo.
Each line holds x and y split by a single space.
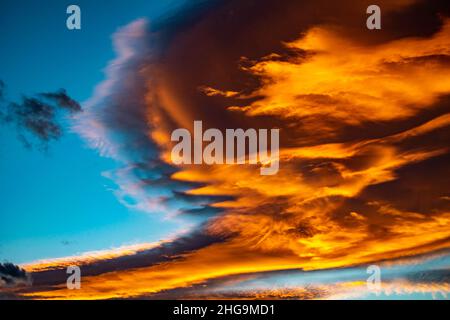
37 118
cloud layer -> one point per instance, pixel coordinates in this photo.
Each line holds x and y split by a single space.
364 124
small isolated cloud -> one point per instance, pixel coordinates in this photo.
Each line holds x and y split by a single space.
37 118
12 275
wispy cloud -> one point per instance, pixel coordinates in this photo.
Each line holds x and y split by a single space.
37 118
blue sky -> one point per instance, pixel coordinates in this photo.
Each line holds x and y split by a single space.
57 203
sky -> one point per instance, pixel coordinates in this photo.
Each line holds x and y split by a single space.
47 57
364 129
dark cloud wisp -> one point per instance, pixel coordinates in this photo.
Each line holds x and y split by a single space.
12 275
38 118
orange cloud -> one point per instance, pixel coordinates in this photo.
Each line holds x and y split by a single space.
327 207
339 78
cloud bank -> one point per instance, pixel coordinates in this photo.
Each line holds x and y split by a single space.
364 125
